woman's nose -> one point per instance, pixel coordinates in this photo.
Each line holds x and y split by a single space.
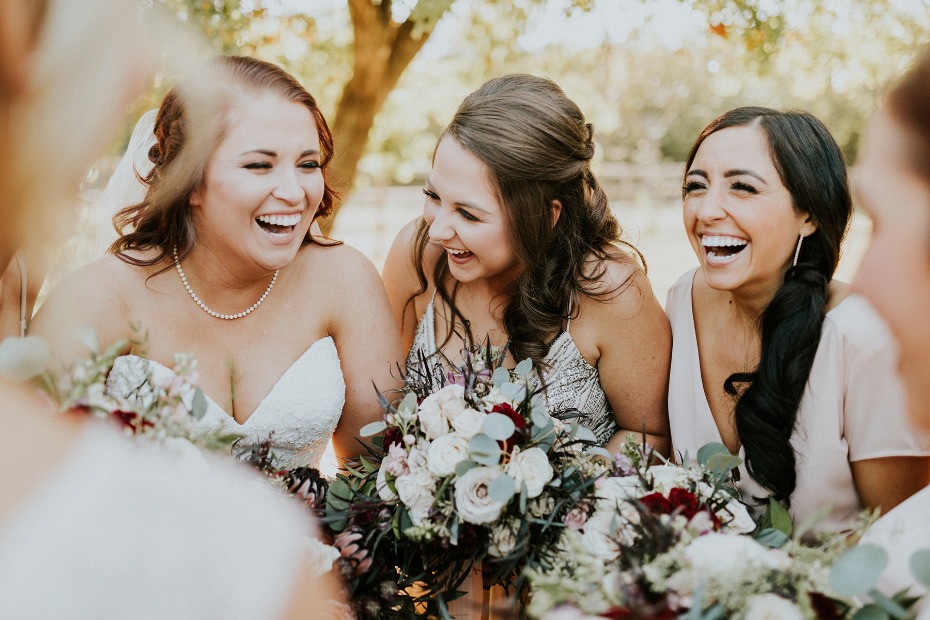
710 207
288 188
440 228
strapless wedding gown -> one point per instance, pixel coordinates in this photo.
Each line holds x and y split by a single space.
299 414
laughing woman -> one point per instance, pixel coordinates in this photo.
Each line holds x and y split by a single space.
772 357
517 244
219 260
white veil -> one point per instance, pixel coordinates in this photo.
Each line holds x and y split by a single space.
124 187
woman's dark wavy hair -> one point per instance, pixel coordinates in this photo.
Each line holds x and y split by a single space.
537 147
812 168
190 124
909 103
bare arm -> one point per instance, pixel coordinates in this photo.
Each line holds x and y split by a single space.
401 282
369 346
85 300
886 482
635 344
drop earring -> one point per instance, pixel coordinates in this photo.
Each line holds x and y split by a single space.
797 251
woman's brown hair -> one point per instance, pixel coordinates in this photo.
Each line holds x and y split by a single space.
538 149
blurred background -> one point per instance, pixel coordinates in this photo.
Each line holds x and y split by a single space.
649 74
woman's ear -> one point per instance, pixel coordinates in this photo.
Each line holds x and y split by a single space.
556 212
810 226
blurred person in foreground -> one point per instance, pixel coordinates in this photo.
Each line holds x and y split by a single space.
892 185
92 526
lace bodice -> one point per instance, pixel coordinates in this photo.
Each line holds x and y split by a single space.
571 382
299 414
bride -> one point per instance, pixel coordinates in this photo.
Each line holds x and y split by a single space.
218 260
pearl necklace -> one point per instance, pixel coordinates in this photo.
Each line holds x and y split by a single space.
214 313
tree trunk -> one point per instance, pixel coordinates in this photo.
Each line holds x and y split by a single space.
383 49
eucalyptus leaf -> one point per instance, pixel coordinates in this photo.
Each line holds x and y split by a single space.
198 404
871 612
338 495
708 450
498 426
454 532
772 538
22 359
540 418
408 405
500 376
502 488
893 609
463 466
585 434
524 368
920 566
722 464
372 428
857 570
523 495
484 450
513 390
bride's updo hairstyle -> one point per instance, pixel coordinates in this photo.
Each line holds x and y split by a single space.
538 148
812 168
190 124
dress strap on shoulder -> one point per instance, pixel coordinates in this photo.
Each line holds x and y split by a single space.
22 294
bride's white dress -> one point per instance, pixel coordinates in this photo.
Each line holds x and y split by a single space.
299 414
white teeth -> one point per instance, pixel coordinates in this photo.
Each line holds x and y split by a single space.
280 220
457 252
716 241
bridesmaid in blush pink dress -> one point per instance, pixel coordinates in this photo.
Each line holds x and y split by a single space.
771 356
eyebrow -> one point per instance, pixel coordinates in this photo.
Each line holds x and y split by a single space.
458 203
729 173
270 153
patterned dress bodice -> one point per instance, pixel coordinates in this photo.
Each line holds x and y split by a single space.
572 384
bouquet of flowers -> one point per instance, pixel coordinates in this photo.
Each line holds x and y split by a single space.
468 469
668 541
152 402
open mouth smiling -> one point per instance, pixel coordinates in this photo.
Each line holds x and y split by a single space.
721 249
278 224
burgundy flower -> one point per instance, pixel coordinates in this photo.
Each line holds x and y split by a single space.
518 422
131 420
684 502
656 503
392 436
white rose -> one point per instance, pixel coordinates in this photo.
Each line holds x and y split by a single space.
771 607
473 502
667 477
729 556
445 453
615 491
384 491
451 400
599 536
503 540
433 423
531 467
419 512
740 520
467 422
409 489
